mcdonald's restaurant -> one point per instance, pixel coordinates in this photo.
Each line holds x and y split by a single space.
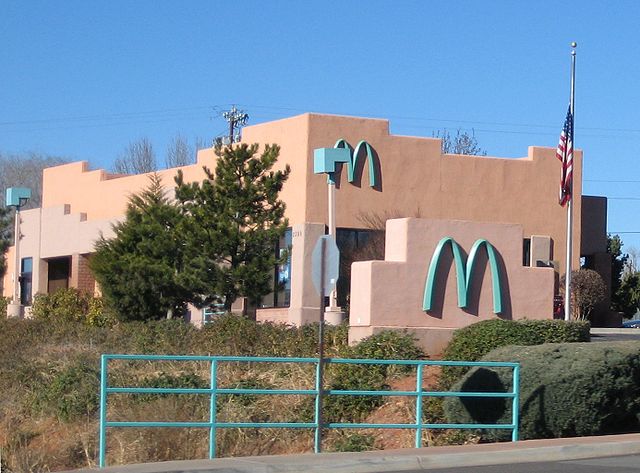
427 241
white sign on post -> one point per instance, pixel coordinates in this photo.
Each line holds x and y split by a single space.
327 266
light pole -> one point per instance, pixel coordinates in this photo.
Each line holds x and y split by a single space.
16 197
325 161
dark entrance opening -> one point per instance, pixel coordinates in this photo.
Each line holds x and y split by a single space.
59 273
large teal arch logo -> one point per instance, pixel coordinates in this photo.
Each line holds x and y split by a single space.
356 154
464 272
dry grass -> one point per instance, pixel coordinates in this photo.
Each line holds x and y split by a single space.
41 366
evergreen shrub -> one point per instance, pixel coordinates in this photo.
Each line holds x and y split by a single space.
187 380
386 345
4 302
239 336
353 442
72 305
159 337
72 392
566 390
474 341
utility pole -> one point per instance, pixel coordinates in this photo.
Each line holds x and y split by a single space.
236 118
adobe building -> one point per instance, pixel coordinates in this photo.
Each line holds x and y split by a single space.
514 200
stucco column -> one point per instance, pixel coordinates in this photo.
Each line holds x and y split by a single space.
305 301
74 270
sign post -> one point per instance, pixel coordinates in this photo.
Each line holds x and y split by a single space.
324 273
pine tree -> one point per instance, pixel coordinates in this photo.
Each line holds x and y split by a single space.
5 237
232 221
138 269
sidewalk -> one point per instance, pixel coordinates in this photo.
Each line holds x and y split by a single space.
405 459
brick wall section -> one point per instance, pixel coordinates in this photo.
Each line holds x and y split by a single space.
81 276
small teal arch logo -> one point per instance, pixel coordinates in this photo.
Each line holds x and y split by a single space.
356 154
464 272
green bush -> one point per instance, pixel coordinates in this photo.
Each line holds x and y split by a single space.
161 337
168 380
244 400
71 305
566 390
4 302
353 442
474 341
239 336
72 392
386 345
99 315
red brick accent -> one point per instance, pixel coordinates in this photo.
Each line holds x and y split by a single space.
81 276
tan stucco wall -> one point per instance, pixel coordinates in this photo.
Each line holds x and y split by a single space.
66 234
29 247
416 179
101 196
292 135
389 294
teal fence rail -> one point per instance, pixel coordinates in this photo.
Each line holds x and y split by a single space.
317 425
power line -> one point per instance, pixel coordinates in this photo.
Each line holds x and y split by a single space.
55 127
452 120
192 113
631 181
106 116
142 114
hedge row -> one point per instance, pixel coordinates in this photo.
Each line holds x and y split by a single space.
474 341
566 390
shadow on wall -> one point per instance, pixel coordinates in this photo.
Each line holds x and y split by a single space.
445 266
360 159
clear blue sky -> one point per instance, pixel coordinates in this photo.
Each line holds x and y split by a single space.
81 79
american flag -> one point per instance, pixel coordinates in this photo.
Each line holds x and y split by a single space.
565 154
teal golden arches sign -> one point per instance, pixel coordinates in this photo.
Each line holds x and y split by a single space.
356 153
429 289
464 272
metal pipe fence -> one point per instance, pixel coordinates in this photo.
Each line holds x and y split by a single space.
318 392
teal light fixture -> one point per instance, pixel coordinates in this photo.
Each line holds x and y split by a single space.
17 196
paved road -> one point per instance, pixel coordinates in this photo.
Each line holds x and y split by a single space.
632 334
622 464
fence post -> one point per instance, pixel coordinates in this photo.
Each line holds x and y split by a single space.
515 407
419 406
212 408
317 440
103 412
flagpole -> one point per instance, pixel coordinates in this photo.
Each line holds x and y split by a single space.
567 290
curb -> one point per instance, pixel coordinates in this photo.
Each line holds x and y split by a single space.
616 331
406 459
